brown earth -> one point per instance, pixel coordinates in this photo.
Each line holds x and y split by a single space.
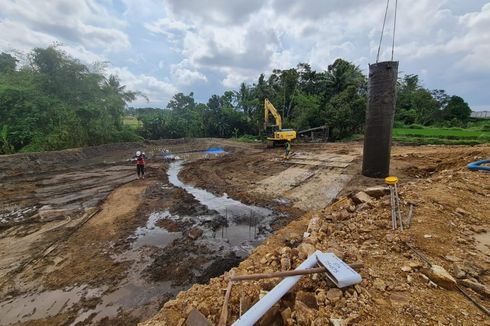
68 221
450 228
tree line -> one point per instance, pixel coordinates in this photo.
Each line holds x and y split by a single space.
53 101
305 98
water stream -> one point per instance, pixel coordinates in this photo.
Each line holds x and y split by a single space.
246 225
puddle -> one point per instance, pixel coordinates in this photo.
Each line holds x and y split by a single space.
224 205
247 224
40 305
152 235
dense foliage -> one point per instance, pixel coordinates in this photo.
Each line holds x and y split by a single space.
305 99
53 102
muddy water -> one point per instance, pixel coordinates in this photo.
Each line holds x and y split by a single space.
152 235
245 226
40 305
230 227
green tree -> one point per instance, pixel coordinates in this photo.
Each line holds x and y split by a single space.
457 109
8 63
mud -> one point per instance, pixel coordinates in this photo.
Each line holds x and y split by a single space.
450 228
84 242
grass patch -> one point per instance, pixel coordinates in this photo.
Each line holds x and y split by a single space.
248 139
132 122
454 136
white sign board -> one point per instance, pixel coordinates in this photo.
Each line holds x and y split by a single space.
337 271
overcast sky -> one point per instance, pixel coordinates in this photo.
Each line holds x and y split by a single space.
161 47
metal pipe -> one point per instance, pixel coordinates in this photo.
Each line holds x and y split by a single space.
264 304
410 213
398 207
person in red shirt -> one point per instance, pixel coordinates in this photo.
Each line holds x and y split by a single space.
140 164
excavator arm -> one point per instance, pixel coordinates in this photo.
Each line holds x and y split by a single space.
268 107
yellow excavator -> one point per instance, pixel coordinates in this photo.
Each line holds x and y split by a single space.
275 134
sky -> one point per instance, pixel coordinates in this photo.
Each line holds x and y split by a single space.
161 47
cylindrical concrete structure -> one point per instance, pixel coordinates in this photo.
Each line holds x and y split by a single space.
379 119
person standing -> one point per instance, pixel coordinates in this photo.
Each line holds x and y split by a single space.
287 148
140 164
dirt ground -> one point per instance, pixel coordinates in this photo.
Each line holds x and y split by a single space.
83 241
76 239
450 228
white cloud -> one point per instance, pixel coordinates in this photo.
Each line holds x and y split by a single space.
212 45
185 76
158 91
84 23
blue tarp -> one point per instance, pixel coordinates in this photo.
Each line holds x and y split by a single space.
215 150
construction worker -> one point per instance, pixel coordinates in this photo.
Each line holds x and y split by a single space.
140 164
287 147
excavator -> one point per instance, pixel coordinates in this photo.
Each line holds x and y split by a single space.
276 135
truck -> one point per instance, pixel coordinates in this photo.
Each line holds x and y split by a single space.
276 135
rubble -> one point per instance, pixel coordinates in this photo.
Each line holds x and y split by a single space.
440 276
362 198
377 191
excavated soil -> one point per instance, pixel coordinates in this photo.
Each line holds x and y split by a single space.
450 228
83 241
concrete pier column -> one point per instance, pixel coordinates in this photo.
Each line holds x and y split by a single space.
379 119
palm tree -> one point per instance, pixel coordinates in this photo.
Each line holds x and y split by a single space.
342 74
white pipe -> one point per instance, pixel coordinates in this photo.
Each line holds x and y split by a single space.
260 308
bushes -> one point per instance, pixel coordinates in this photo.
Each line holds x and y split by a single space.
416 126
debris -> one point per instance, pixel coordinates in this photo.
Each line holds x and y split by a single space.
459 272
415 264
477 287
195 318
308 298
286 314
377 191
440 276
305 250
194 233
406 269
379 284
361 197
452 258
334 295
461 211
478 229
336 322
224 311
263 305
